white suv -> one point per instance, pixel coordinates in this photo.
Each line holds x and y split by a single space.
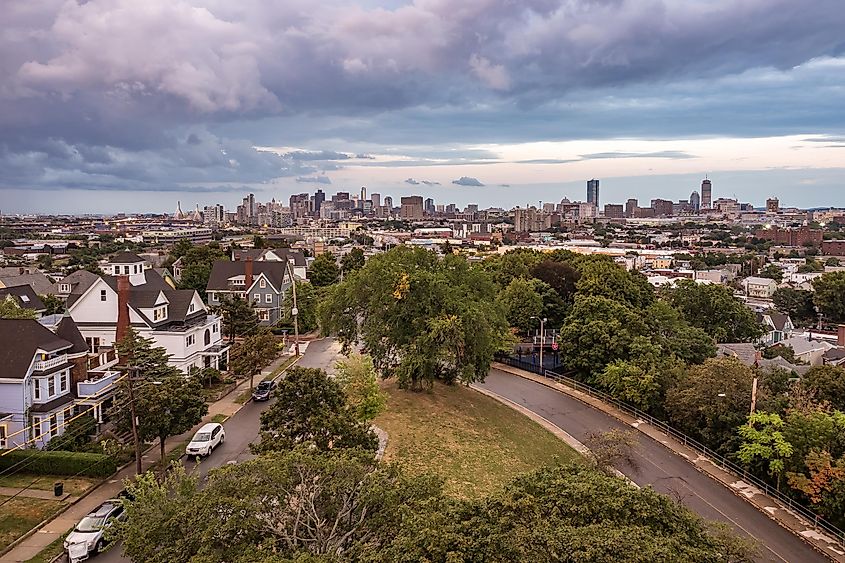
206 439
87 537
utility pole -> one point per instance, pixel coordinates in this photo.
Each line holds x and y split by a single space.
753 396
542 339
131 376
294 311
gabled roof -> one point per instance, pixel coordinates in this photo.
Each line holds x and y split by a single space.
24 296
744 352
801 345
223 270
125 257
38 281
778 319
67 330
19 340
79 281
260 254
759 281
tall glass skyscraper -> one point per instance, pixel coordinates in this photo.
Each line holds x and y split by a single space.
593 192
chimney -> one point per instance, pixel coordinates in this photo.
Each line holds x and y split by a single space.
840 336
248 272
122 308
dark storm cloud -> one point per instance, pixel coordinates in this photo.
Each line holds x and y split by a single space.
87 98
467 181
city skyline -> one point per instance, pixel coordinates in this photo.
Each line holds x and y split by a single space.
498 102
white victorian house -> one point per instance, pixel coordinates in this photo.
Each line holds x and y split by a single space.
175 319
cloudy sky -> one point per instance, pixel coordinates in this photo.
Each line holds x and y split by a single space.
127 105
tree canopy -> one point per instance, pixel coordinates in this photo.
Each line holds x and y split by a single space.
714 309
829 296
419 317
197 262
324 270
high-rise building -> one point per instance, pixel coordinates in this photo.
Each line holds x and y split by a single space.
614 211
593 192
429 206
376 199
412 208
695 202
363 193
706 194
772 205
662 207
319 198
631 208
388 202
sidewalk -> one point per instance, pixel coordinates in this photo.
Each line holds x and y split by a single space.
765 504
33 545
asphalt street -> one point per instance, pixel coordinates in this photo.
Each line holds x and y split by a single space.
658 467
241 430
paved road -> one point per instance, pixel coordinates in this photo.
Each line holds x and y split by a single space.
665 471
241 430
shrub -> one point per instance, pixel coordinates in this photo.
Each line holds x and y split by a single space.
59 463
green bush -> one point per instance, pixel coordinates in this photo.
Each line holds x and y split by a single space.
59 463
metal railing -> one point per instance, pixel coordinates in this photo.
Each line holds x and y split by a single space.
714 457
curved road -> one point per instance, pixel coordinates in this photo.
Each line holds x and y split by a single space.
658 467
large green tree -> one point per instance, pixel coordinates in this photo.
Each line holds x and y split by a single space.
253 353
419 317
311 409
522 304
797 303
239 317
714 309
601 277
829 296
561 276
307 299
827 383
9 309
352 261
196 266
763 439
167 403
357 376
324 270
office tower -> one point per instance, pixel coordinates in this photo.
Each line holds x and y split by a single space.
772 205
376 199
471 208
695 202
593 192
631 208
251 206
363 193
662 207
614 211
706 194
451 209
319 198
388 202
412 207
429 206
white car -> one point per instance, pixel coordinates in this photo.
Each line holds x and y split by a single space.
88 537
206 439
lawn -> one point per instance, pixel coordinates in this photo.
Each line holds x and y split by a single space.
474 442
72 485
20 515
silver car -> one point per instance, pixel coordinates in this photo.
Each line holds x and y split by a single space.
88 537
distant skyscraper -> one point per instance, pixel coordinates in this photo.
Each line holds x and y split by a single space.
631 208
412 207
593 192
363 193
429 206
706 194
319 198
388 202
772 205
695 202
376 199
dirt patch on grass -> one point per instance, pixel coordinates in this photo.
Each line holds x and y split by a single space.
20 515
474 442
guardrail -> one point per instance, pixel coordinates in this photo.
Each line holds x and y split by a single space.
717 459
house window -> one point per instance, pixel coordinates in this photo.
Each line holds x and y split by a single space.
263 315
207 338
262 283
126 270
214 328
189 340
36 427
51 386
102 295
67 414
191 308
54 425
93 343
64 288
3 437
268 298
63 382
36 389
256 297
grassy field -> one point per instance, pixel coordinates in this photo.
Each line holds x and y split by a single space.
20 515
72 485
476 443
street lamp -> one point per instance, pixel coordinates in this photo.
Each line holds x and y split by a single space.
542 338
294 310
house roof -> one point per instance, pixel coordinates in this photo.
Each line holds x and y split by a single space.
38 281
24 296
56 403
781 363
259 254
759 281
744 352
778 319
223 270
834 354
19 339
79 281
125 257
67 330
801 345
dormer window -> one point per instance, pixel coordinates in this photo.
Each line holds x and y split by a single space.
191 308
262 283
160 313
64 288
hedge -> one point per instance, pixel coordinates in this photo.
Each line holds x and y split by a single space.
58 463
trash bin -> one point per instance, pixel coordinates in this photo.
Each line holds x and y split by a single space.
58 488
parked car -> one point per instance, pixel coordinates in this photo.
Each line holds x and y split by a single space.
206 439
263 391
88 537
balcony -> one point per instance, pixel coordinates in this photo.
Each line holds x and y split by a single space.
98 383
44 365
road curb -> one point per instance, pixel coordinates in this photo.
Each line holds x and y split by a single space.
628 420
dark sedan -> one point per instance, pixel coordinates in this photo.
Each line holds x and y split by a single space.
263 391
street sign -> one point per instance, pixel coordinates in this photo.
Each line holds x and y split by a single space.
294 311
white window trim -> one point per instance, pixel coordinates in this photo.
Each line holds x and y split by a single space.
36 389
268 298
256 297
262 283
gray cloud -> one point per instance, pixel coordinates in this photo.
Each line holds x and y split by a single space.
317 155
313 180
411 181
430 183
547 161
467 181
